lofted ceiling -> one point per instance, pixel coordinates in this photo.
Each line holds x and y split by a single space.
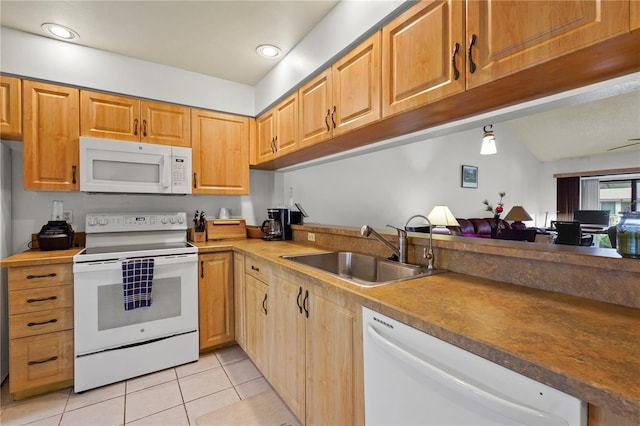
219 38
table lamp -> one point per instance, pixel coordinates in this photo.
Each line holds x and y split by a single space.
442 216
518 214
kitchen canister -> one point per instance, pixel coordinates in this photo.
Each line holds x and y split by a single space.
628 235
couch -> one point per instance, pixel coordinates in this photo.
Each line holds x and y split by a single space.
476 227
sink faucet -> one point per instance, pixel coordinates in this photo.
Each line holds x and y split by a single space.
427 255
400 252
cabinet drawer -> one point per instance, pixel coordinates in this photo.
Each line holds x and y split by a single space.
40 299
40 276
40 360
257 268
33 323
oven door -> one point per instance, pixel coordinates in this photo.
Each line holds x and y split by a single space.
102 323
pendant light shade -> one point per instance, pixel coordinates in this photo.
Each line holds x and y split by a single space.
488 141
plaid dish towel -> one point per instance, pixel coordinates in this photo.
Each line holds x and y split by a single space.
137 277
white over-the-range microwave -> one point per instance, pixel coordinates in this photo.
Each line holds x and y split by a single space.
132 167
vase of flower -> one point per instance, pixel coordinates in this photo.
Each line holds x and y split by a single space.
497 211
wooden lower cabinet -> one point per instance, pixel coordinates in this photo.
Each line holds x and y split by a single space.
238 297
40 302
333 364
215 299
314 364
288 367
258 322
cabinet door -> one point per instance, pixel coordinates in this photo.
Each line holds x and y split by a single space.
635 14
239 298
165 124
418 47
514 35
331 363
40 361
288 366
220 150
215 299
11 104
315 110
258 329
356 80
287 125
51 137
265 136
109 116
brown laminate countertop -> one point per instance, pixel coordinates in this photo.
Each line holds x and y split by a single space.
583 347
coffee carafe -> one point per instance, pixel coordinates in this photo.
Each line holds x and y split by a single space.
278 224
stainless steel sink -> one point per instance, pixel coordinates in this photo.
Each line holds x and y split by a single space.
361 269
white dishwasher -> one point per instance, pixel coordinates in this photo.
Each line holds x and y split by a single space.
412 378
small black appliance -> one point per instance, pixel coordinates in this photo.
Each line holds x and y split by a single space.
278 225
55 235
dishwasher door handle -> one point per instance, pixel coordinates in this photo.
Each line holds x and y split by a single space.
507 408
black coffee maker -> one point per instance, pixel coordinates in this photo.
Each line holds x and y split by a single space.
278 224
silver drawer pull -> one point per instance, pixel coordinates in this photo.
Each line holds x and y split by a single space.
51 275
31 324
44 299
53 358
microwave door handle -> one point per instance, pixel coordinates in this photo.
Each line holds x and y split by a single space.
166 170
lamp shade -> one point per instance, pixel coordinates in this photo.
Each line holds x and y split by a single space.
441 215
488 141
518 214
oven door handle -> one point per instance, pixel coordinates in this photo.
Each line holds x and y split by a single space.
117 264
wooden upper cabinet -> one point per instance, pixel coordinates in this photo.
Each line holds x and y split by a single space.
265 137
287 125
423 55
343 97
11 104
109 116
129 119
356 87
165 124
508 36
220 153
51 137
277 130
635 14
316 103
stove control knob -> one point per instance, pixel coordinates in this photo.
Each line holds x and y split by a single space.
164 220
180 219
92 221
102 221
173 219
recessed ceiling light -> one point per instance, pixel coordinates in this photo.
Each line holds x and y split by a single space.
60 31
268 51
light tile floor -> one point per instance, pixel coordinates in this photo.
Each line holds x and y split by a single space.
175 396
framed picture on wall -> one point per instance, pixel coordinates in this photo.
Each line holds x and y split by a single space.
469 177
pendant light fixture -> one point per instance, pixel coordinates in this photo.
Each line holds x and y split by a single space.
488 141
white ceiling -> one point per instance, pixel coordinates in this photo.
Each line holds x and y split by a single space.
218 38
215 38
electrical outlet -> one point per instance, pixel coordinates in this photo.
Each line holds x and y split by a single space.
311 236
68 216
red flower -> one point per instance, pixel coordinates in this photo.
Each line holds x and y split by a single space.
499 209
